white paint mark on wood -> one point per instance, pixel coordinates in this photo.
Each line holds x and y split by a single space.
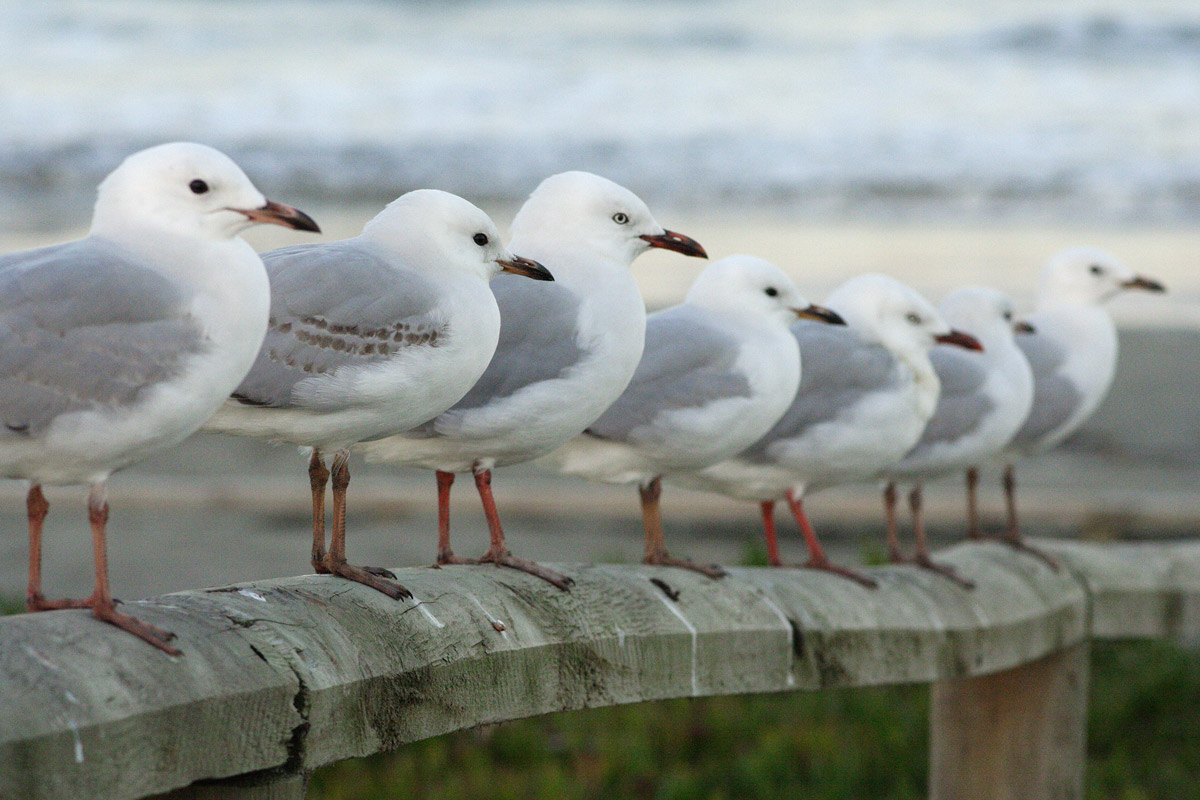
253 595
670 604
420 604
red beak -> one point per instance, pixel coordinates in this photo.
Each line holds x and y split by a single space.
669 240
960 339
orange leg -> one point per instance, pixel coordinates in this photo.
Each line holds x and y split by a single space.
335 559
318 477
37 508
895 555
974 528
1013 537
656 547
923 557
101 602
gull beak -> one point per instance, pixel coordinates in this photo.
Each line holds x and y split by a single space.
525 266
820 314
959 339
278 214
669 240
1138 282
1023 327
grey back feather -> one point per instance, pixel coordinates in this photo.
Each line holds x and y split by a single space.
538 339
1055 398
687 363
84 325
838 370
962 404
336 305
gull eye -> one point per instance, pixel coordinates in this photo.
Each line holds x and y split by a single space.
620 218
1096 269
480 239
1008 316
771 291
915 319
198 186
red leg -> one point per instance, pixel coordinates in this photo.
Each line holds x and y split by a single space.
498 552
318 476
656 546
768 520
1013 537
816 554
895 555
335 559
923 557
101 602
974 529
444 554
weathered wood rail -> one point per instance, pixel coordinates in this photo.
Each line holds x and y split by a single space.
280 677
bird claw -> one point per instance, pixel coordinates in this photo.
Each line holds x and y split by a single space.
713 571
924 562
825 565
367 578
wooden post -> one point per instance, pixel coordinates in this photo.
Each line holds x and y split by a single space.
1012 735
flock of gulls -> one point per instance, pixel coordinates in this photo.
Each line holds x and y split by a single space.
426 341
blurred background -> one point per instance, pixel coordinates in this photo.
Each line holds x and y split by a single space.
944 143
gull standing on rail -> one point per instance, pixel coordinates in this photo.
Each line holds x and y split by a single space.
1073 355
985 397
123 343
564 355
866 392
369 337
718 371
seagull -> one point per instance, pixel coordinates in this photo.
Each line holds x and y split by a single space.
564 354
718 370
122 343
985 397
369 337
866 393
1073 355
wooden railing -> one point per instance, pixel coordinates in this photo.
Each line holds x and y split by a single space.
281 677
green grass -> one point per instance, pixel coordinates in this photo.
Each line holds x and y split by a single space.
1143 734
11 605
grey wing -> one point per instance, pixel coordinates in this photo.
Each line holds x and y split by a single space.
838 369
84 326
686 364
1055 398
336 305
962 404
539 336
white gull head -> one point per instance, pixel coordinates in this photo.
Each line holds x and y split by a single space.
437 230
189 190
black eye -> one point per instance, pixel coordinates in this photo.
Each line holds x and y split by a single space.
1096 269
915 319
620 218
771 291
198 186
1008 316
480 239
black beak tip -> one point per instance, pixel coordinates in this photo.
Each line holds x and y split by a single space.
303 222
